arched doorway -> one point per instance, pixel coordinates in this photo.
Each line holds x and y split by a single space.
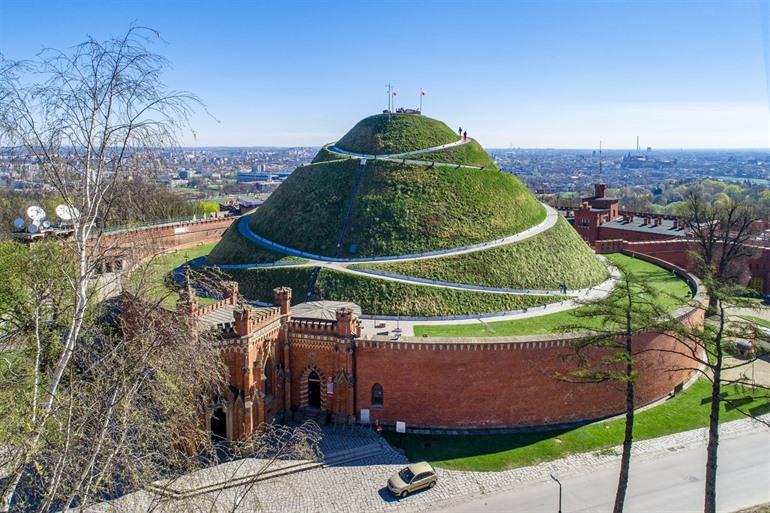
219 425
314 390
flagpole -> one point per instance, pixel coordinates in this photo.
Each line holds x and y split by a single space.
420 101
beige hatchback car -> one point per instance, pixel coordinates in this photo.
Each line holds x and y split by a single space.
412 478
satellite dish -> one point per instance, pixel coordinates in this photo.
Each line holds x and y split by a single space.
67 213
18 223
36 213
33 228
46 224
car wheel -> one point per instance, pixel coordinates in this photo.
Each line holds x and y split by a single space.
403 494
432 484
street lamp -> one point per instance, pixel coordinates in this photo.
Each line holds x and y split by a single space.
553 476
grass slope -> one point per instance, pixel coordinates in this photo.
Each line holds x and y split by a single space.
382 297
470 154
540 262
688 410
378 296
674 292
152 277
258 284
404 208
306 211
234 247
395 133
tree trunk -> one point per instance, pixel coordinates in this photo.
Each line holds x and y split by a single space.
628 439
713 445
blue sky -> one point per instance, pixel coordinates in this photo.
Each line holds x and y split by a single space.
521 74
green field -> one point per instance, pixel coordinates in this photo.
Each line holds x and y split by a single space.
541 262
404 208
674 292
395 133
153 276
470 154
688 410
756 320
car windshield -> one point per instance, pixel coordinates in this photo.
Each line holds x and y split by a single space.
406 475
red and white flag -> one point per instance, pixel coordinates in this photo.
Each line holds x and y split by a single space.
422 92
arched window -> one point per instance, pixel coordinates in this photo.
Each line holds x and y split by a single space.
268 370
376 394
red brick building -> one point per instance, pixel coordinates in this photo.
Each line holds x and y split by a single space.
287 366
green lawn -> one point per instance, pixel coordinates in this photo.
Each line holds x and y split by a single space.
541 262
153 275
688 410
757 320
395 133
674 292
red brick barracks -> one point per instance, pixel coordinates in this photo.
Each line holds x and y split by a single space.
603 226
289 363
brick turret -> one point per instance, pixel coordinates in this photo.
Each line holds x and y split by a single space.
347 322
282 297
231 292
242 320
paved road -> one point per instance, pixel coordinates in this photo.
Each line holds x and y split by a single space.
672 482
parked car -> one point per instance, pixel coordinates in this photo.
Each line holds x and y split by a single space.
412 478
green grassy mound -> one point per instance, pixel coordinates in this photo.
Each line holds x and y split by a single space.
673 293
540 262
395 133
233 247
306 211
404 208
470 154
399 209
379 297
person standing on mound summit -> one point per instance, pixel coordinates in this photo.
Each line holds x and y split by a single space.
460 132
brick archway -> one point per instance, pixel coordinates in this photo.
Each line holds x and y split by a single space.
303 387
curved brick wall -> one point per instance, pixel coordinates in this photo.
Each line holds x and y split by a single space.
506 382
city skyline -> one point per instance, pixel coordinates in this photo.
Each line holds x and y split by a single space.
557 75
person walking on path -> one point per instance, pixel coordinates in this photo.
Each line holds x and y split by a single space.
465 136
460 132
